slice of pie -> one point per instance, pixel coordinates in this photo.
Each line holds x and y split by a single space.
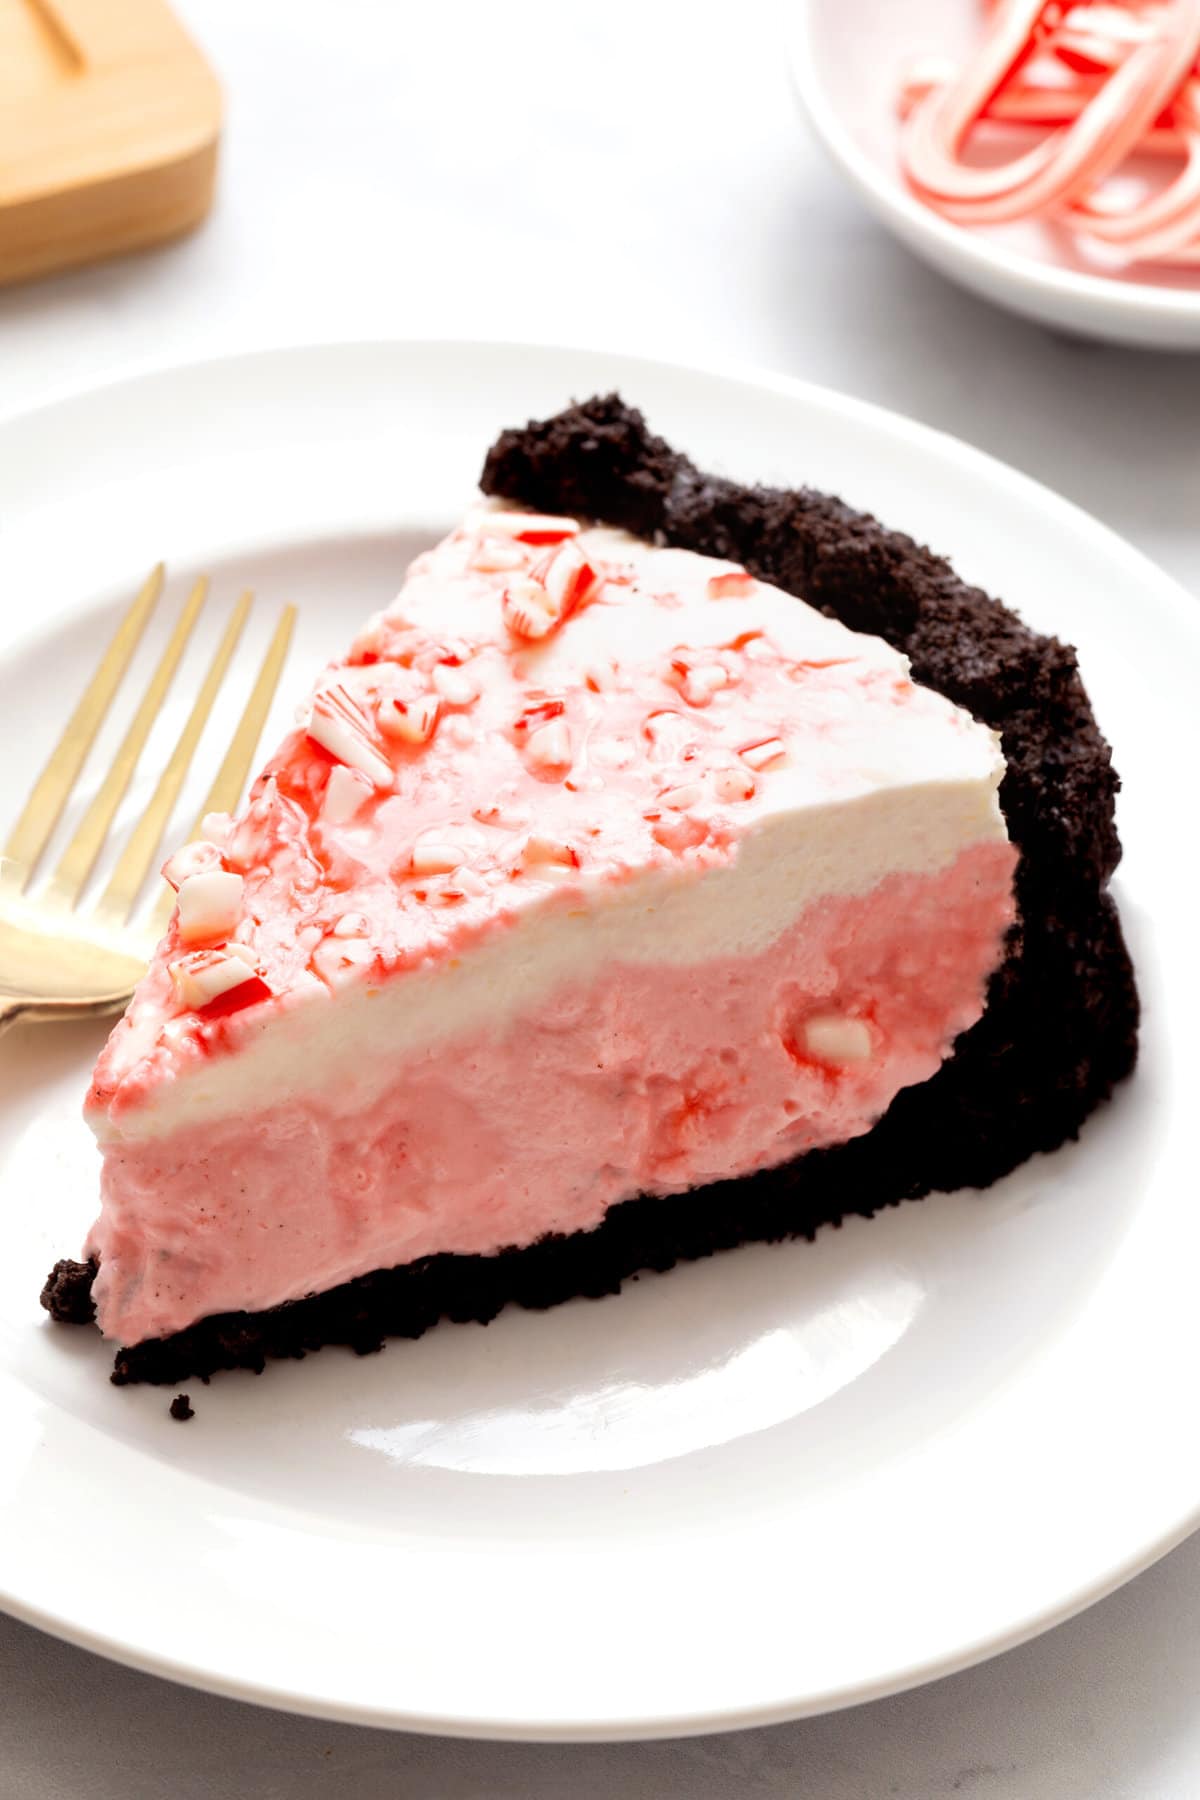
629 891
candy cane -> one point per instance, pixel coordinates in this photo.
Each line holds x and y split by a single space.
1109 80
1065 164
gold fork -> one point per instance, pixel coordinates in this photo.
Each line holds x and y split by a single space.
56 963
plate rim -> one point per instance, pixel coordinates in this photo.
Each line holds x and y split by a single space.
587 1731
977 259
257 350
869 415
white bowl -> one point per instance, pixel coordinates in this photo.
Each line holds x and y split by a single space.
847 57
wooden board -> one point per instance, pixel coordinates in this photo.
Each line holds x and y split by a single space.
109 124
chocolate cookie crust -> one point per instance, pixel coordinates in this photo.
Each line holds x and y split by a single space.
1060 1028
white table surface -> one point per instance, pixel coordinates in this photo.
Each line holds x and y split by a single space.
628 174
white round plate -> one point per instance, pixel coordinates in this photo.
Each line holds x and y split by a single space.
784 1480
847 58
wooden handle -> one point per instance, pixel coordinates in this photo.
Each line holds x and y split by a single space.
101 34
58 31
109 122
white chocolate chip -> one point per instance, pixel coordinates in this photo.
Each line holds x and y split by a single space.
679 799
177 1031
439 850
344 794
671 734
338 960
304 981
369 641
504 814
215 827
733 784
433 856
833 1038
453 684
493 555
458 730
210 905
550 746
701 684
470 883
760 650
193 859
765 754
352 925
410 721
537 849
611 753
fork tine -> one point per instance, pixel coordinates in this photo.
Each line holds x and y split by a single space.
230 778
130 872
80 854
32 830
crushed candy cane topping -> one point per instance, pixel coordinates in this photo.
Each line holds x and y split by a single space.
209 975
339 725
464 762
209 906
